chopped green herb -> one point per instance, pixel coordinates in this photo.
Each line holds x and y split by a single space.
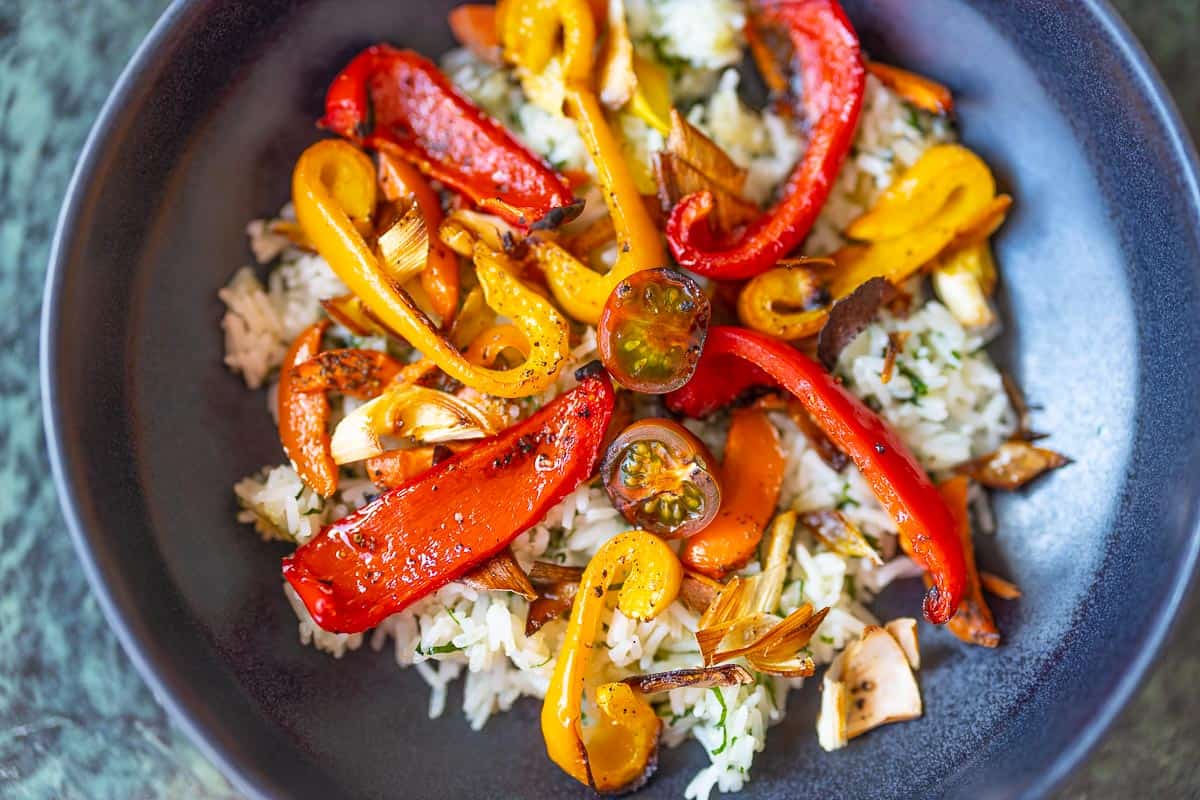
920 389
450 611
310 512
827 640
844 500
957 355
672 63
665 711
300 493
721 722
449 647
914 119
851 587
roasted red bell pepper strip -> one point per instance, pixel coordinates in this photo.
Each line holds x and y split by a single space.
398 101
927 527
430 530
833 77
304 416
717 382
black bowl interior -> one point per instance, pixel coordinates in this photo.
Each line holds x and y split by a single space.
1100 272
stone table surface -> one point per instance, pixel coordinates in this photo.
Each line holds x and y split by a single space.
76 721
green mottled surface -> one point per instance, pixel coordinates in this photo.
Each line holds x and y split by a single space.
75 719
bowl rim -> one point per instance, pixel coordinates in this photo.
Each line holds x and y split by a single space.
183 703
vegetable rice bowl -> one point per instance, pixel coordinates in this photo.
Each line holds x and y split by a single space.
599 384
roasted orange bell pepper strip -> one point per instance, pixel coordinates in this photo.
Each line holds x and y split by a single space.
949 192
533 30
304 417
358 373
439 279
926 94
334 184
389 470
474 27
752 474
895 477
618 751
973 622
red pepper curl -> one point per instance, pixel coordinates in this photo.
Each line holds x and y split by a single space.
399 101
834 78
927 527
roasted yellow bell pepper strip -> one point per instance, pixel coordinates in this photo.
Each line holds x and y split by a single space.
652 95
617 751
333 187
530 33
947 194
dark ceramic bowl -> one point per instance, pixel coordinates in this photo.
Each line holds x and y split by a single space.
1101 271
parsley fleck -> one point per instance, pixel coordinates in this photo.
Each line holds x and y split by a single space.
671 62
844 500
827 639
914 119
721 722
920 389
449 647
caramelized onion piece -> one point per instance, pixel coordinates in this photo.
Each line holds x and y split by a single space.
544 573
694 163
556 587
895 345
501 573
1016 398
850 316
1013 465
690 144
739 622
617 80
677 178
694 678
698 591
869 684
840 534
424 415
404 246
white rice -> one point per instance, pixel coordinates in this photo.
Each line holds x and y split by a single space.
946 401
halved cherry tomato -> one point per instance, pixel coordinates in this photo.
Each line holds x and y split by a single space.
652 330
662 478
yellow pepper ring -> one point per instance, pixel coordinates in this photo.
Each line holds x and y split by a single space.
332 186
618 751
529 32
949 191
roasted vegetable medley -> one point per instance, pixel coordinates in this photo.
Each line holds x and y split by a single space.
581 357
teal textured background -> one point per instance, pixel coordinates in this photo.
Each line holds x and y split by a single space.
75 719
